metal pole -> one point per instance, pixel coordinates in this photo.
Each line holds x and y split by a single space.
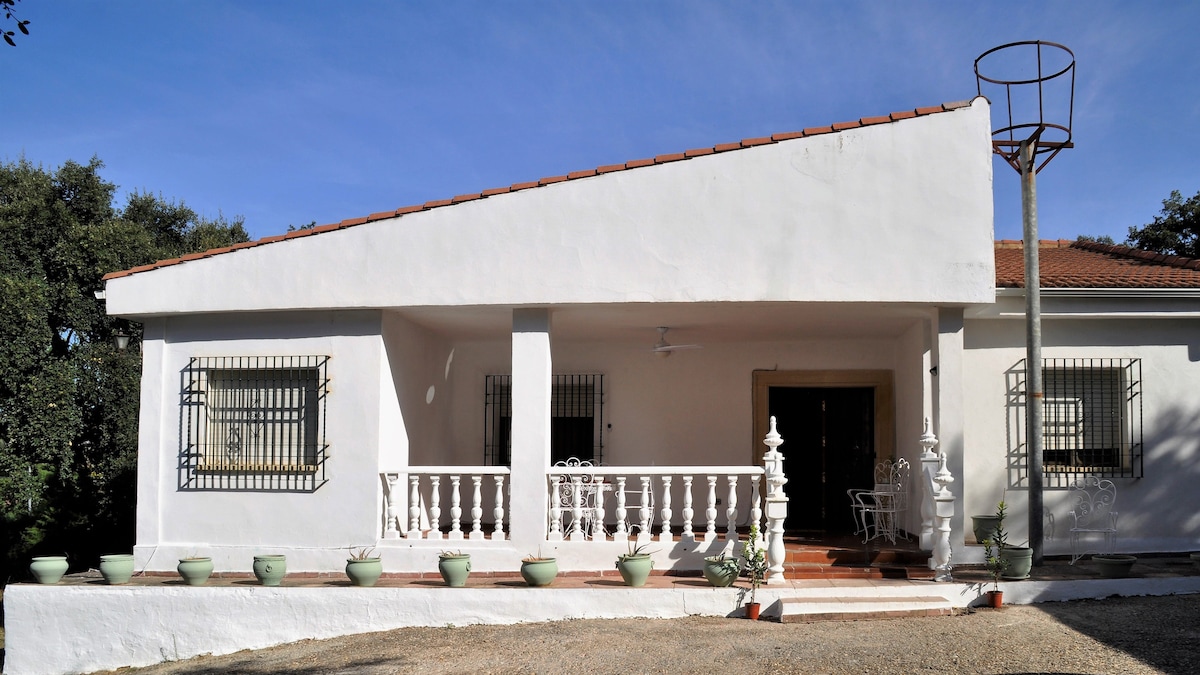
1033 346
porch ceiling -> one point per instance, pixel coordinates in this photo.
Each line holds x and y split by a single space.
693 322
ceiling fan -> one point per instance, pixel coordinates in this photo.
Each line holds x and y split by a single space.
664 348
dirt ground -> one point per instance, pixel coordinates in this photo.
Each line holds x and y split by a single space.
1116 635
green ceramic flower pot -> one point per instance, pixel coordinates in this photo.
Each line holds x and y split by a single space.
455 569
1113 566
270 569
116 568
720 571
1020 562
540 572
195 571
635 569
984 527
364 571
48 569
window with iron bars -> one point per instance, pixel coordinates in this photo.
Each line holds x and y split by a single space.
1092 416
576 418
255 423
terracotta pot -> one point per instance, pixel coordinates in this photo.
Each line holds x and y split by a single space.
752 610
995 599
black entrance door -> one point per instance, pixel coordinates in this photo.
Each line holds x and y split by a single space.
829 436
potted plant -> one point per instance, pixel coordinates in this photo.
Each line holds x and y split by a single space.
721 570
48 569
756 570
363 568
1018 559
270 569
539 571
996 566
635 565
116 568
195 570
455 567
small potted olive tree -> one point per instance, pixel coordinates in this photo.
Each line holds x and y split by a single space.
756 570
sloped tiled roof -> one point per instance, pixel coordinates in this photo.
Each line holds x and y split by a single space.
1085 264
575 175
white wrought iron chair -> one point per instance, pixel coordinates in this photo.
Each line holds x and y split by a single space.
878 512
1093 499
565 488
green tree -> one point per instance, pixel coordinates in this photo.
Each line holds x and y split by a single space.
1175 231
68 398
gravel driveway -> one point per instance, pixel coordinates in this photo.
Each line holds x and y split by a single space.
1117 635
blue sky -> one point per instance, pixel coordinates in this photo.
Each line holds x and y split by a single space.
299 111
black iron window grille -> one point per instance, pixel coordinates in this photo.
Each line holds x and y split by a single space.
576 418
254 423
1091 416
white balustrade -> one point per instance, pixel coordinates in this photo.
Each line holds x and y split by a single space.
579 495
421 503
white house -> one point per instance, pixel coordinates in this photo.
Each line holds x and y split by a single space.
407 379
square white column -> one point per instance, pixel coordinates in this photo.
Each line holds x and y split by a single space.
530 457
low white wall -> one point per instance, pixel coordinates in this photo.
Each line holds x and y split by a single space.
70 629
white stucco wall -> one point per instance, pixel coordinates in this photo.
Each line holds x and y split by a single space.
1159 512
232 525
891 212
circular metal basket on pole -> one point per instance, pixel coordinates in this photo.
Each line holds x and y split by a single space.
1038 128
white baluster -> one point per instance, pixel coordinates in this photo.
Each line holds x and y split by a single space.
575 531
414 507
644 512
687 513
710 513
777 504
392 501
929 467
476 508
622 533
498 512
555 510
598 532
756 504
665 533
455 508
731 512
944 511
435 507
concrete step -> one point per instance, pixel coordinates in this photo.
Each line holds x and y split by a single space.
798 610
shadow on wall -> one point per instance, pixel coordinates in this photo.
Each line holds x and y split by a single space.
1093 425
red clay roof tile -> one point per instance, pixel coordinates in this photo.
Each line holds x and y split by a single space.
698 152
673 157
635 163
496 191
842 126
552 179
751 142
609 168
866 121
466 198
1075 264
930 110
725 147
787 136
525 186
903 115
581 174
817 131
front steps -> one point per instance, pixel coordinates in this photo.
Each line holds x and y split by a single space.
812 561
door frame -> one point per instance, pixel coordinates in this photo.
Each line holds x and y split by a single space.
881 381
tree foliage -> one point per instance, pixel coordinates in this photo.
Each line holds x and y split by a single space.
10 14
68 398
1175 231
